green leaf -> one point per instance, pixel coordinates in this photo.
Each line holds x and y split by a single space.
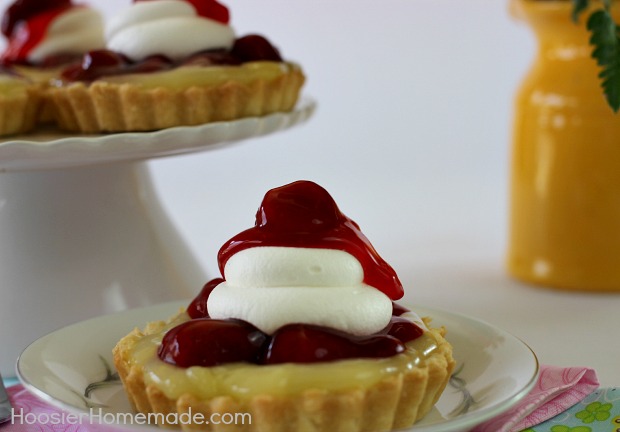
578 7
604 38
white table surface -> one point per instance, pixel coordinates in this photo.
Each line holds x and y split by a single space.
412 139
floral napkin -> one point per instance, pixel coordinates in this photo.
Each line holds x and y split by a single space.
563 400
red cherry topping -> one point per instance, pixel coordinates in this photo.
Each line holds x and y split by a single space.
102 58
23 10
152 63
254 48
198 307
93 68
95 63
301 343
209 342
398 310
25 23
209 9
403 329
303 214
99 63
211 58
60 59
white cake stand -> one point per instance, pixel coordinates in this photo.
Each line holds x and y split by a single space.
82 231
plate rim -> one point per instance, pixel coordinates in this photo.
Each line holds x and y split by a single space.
462 422
472 419
64 150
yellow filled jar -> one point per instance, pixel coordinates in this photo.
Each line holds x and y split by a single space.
565 180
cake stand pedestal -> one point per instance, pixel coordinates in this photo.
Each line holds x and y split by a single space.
82 231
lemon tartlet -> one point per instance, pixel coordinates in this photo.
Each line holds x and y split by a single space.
44 37
311 341
152 76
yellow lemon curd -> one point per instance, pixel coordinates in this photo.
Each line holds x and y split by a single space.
243 380
187 76
11 86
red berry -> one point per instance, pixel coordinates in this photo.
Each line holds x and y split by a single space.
302 343
198 307
95 64
211 9
403 329
398 310
22 10
255 48
207 8
154 63
209 342
211 58
101 59
60 59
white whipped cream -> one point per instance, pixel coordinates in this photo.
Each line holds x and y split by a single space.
169 27
75 31
271 287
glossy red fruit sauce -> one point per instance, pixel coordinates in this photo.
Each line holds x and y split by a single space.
301 214
25 24
99 63
207 8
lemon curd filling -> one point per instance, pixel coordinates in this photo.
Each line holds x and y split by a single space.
187 76
242 380
12 86
38 75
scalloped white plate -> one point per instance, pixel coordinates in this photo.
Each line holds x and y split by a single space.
52 149
70 368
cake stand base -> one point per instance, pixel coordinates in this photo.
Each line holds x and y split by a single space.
81 242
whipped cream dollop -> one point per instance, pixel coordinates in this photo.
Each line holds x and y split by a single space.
272 286
74 31
172 28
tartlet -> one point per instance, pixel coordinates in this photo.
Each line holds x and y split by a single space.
394 397
306 354
144 81
20 104
44 37
185 96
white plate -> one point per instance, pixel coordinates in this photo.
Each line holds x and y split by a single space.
53 149
70 368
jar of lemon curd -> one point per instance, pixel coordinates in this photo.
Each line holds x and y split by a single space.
565 169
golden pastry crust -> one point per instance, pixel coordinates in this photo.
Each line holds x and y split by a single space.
19 110
105 106
42 77
396 401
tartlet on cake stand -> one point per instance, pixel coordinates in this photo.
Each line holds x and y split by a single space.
82 231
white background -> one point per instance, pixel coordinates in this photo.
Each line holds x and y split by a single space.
412 138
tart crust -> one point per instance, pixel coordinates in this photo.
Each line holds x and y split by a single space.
42 77
113 106
19 107
395 401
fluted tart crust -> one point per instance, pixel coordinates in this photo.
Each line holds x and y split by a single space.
386 394
185 96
